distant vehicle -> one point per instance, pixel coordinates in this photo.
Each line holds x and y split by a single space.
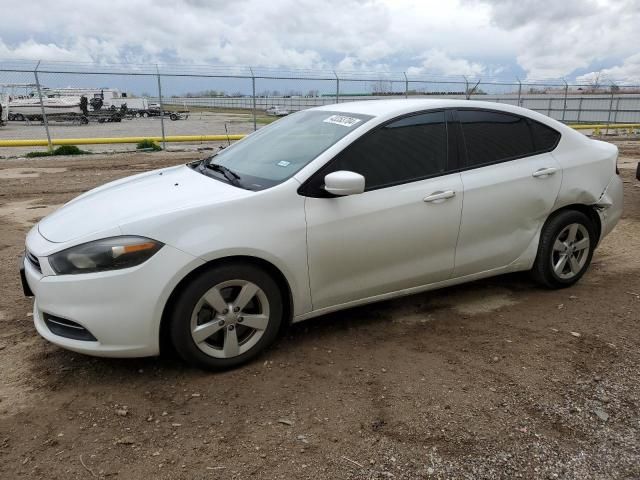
326 209
154 110
277 111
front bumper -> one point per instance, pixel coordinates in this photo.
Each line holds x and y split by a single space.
122 309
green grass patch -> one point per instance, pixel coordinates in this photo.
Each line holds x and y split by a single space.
38 154
61 150
147 144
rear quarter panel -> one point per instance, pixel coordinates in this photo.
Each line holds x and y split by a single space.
587 165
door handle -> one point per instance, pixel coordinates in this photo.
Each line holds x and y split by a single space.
544 172
439 197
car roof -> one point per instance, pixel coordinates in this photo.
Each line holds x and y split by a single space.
390 108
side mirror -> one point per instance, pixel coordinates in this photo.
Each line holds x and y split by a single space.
344 183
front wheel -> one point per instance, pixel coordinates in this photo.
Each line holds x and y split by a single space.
566 246
226 316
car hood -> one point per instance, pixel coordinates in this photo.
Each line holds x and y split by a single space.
141 196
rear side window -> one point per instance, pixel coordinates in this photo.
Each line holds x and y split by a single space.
545 138
492 136
405 150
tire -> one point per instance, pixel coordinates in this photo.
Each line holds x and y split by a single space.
19 117
145 114
566 247
208 335
173 117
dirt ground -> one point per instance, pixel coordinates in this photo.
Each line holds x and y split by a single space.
494 379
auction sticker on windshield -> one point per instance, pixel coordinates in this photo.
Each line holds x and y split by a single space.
342 120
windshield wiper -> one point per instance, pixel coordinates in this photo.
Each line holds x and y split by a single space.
229 174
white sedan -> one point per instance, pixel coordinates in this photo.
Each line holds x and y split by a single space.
276 111
325 209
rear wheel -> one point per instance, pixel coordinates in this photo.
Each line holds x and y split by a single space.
566 247
226 316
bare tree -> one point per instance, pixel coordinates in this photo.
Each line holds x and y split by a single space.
381 87
595 81
470 91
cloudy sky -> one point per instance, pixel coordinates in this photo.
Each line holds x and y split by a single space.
531 39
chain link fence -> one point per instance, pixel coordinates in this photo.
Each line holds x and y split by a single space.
56 102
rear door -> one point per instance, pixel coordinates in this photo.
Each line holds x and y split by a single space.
510 180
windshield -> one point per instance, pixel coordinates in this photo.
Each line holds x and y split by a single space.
276 152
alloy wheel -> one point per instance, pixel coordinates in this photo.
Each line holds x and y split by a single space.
230 318
570 251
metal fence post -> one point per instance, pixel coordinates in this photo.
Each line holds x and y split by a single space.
579 109
610 110
253 96
337 87
44 115
406 85
566 92
519 93
164 144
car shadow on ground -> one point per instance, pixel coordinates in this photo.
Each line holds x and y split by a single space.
56 366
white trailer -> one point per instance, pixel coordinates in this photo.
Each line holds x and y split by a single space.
112 98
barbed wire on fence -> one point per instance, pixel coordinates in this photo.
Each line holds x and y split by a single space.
39 91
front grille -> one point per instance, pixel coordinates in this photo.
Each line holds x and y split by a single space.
67 329
33 260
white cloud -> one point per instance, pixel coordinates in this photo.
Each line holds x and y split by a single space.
628 72
32 50
555 38
545 38
437 62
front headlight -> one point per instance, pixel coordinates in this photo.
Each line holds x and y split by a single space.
107 254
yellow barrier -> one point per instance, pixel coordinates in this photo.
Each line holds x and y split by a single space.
600 126
42 142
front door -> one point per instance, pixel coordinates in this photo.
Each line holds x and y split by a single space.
402 231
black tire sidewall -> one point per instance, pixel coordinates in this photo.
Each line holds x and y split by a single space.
180 328
543 268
